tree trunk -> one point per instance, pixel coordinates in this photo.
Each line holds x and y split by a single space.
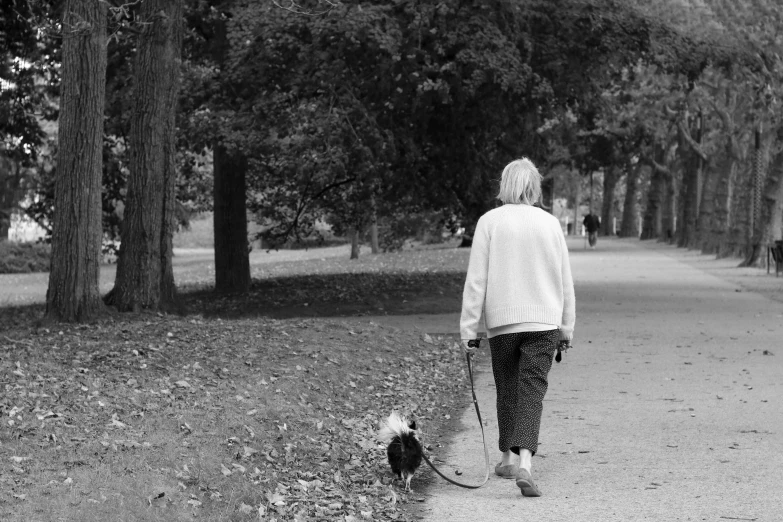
757 224
651 222
769 216
668 211
689 202
354 243
232 261
722 211
704 221
374 228
73 293
739 221
629 226
686 233
611 177
168 289
144 275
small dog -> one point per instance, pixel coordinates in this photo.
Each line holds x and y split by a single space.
404 447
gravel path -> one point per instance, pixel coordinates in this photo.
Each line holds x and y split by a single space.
666 409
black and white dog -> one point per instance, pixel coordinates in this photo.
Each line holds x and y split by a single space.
404 448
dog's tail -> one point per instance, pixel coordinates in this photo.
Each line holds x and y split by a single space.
395 426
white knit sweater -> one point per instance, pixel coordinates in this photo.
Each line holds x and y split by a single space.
519 272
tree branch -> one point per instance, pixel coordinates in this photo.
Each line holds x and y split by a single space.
295 8
690 141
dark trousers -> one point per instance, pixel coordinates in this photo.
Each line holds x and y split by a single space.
520 364
592 237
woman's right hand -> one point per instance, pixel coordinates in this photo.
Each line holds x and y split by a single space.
469 346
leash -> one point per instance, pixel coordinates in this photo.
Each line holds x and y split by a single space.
469 358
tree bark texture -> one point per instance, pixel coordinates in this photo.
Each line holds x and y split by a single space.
669 211
652 221
611 176
687 235
757 228
374 247
717 234
355 243
704 221
73 293
144 275
739 218
629 226
721 224
232 262
769 215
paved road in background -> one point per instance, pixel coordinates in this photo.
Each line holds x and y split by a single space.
666 409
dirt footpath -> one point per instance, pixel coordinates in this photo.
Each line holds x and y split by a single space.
670 406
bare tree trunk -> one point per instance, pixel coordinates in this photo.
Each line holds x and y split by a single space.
669 211
168 289
374 228
232 261
722 213
693 159
144 278
629 226
73 293
725 176
611 177
758 226
704 221
653 212
354 243
739 221
769 216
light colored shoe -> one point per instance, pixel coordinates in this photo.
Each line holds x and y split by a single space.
526 485
508 471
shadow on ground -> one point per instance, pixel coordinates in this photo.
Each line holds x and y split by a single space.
336 295
319 295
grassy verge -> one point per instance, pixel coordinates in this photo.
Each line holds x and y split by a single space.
148 417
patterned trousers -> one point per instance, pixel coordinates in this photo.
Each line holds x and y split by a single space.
520 363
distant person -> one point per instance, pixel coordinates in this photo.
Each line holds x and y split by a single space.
519 278
592 224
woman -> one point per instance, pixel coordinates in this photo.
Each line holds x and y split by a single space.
519 276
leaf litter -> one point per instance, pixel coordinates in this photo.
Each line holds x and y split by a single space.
250 418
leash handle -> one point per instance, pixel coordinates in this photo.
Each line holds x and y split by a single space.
469 358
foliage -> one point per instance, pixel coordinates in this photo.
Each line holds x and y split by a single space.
21 258
414 105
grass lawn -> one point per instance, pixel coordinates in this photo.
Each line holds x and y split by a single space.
241 408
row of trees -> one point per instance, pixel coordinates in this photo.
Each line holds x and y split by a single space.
700 149
369 111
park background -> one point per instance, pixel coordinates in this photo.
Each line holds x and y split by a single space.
211 192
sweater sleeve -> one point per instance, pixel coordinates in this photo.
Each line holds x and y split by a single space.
569 299
475 283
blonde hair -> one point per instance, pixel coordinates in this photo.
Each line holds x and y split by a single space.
520 183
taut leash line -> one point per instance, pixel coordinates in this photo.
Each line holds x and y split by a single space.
469 358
